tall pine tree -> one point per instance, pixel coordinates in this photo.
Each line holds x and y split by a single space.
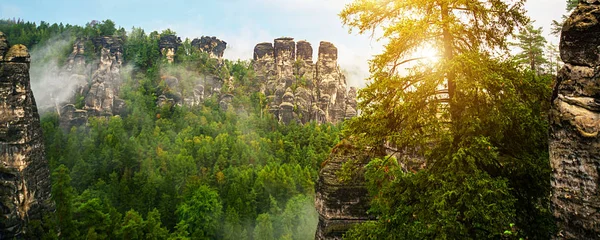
476 121
532 45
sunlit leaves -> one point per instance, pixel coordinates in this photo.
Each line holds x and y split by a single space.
476 121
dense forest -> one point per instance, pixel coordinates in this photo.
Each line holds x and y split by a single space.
475 120
176 172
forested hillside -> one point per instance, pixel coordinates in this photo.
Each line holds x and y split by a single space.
175 172
149 136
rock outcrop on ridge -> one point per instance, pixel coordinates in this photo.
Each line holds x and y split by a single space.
98 82
168 45
574 127
298 89
211 45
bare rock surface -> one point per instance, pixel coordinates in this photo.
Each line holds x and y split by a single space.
319 90
106 77
168 45
24 172
341 204
212 45
574 127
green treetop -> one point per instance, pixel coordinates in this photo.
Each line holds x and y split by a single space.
532 44
476 121
405 109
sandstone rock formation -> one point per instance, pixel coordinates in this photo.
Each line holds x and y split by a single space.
575 124
212 45
297 89
98 82
300 90
3 46
76 59
168 45
172 92
101 97
70 117
24 172
341 204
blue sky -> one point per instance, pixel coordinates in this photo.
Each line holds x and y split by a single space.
241 23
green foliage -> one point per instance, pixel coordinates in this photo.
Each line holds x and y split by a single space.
532 46
183 172
168 31
557 24
571 4
202 212
106 28
31 34
233 229
264 228
153 227
477 137
63 194
197 172
435 206
140 49
79 101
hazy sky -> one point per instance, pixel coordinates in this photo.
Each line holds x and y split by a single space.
241 23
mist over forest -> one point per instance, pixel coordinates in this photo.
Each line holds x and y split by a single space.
470 125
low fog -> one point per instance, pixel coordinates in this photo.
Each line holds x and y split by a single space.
51 83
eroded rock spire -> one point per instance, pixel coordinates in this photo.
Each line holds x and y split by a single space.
24 172
298 89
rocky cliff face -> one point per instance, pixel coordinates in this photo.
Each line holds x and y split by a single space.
168 45
173 93
341 204
98 82
575 124
24 172
101 97
298 89
211 45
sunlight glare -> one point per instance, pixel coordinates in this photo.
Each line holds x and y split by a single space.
428 53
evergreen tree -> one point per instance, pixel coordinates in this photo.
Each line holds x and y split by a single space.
63 194
264 227
475 120
177 166
532 45
202 212
106 28
572 4
132 226
455 27
553 55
